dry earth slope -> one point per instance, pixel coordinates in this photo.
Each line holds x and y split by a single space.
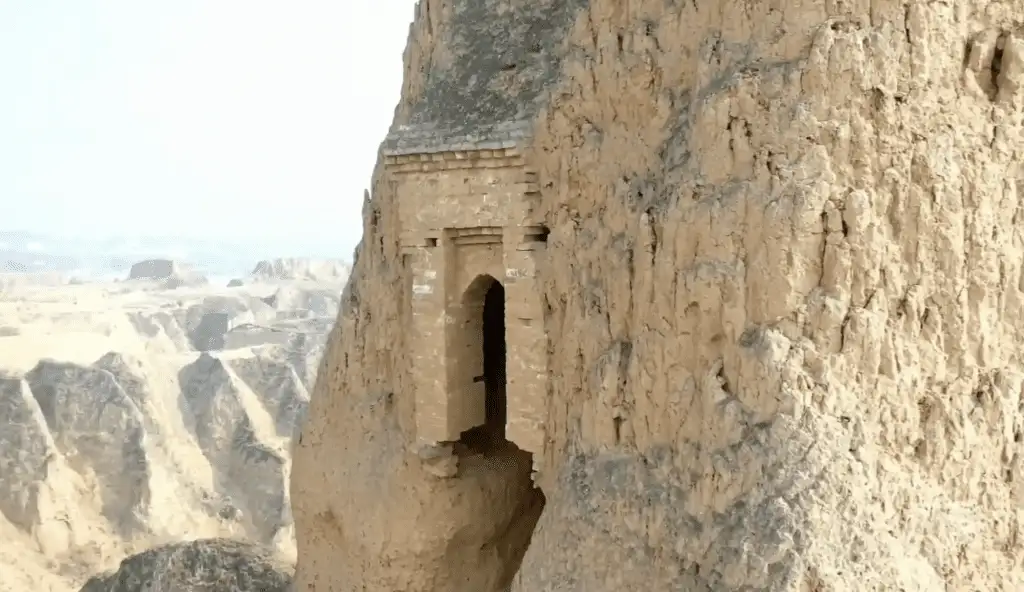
135 415
784 292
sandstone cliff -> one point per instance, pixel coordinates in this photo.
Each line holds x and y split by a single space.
782 293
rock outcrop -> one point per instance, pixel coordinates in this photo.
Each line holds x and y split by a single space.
104 453
318 270
293 301
278 387
171 274
237 435
100 432
118 448
155 269
209 321
161 326
34 481
781 293
25 449
205 565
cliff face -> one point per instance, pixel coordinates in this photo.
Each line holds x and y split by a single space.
782 292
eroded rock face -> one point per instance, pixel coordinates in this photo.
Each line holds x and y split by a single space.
29 461
300 302
205 565
172 274
321 270
278 388
209 322
129 375
305 352
433 533
161 325
25 446
208 334
100 432
783 298
227 426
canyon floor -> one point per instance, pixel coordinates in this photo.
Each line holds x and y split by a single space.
143 412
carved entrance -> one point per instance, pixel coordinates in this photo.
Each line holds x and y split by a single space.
494 351
477 340
479 380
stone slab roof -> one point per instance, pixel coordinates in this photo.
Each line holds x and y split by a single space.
430 138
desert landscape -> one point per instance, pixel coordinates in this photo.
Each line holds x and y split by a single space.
697 296
755 271
154 410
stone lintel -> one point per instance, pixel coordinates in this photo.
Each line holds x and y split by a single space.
464 156
455 160
480 239
524 238
483 235
477 231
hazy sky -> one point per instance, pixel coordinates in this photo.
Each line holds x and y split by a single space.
209 118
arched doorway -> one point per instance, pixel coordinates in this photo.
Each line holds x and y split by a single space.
490 461
493 349
481 375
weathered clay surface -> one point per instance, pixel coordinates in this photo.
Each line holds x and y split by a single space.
278 387
100 431
99 454
783 288
34 479
321 270
170 274
304 302
237 434
205 565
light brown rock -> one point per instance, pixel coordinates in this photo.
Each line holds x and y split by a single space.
781 296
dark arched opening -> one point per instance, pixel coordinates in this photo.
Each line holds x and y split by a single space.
484 360
494 360
485 458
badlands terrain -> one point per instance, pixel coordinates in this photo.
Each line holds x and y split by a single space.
760 270
151 411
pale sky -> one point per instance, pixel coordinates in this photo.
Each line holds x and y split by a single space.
206 118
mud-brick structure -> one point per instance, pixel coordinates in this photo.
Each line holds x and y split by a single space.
471 236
